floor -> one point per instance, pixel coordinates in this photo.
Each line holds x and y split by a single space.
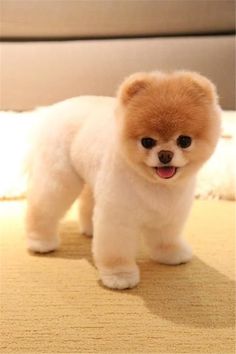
55 303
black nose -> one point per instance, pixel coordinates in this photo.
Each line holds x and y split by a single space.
165 156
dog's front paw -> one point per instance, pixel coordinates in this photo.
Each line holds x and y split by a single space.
121 280
172 253
41 245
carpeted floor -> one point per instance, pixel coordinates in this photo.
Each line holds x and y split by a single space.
55 304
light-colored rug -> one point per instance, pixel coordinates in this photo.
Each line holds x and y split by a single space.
55 304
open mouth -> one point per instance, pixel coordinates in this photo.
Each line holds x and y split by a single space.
166 171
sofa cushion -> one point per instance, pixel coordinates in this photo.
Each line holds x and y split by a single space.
40 73
83 19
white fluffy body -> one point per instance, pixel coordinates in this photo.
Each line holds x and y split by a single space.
81 146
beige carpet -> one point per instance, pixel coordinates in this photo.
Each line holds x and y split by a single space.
55 304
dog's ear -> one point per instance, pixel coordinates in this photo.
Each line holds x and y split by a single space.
132 86
199 86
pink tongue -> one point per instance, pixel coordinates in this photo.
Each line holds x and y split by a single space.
166 172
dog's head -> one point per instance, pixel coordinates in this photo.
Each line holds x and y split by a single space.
168 124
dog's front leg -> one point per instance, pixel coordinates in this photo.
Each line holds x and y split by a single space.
167 246
115 247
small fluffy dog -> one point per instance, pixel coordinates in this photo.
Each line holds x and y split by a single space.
135 158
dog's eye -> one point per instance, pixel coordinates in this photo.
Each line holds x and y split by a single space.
184 141
148 143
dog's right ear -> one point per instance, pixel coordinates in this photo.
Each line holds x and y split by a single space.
132 86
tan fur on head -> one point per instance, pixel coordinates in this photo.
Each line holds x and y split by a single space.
196 85
163 106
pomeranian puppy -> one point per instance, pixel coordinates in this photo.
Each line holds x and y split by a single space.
135 157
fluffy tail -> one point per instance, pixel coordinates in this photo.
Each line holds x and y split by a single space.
15 146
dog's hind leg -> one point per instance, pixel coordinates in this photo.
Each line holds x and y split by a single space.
50 196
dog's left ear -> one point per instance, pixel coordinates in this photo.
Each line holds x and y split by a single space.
132 86
200 87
